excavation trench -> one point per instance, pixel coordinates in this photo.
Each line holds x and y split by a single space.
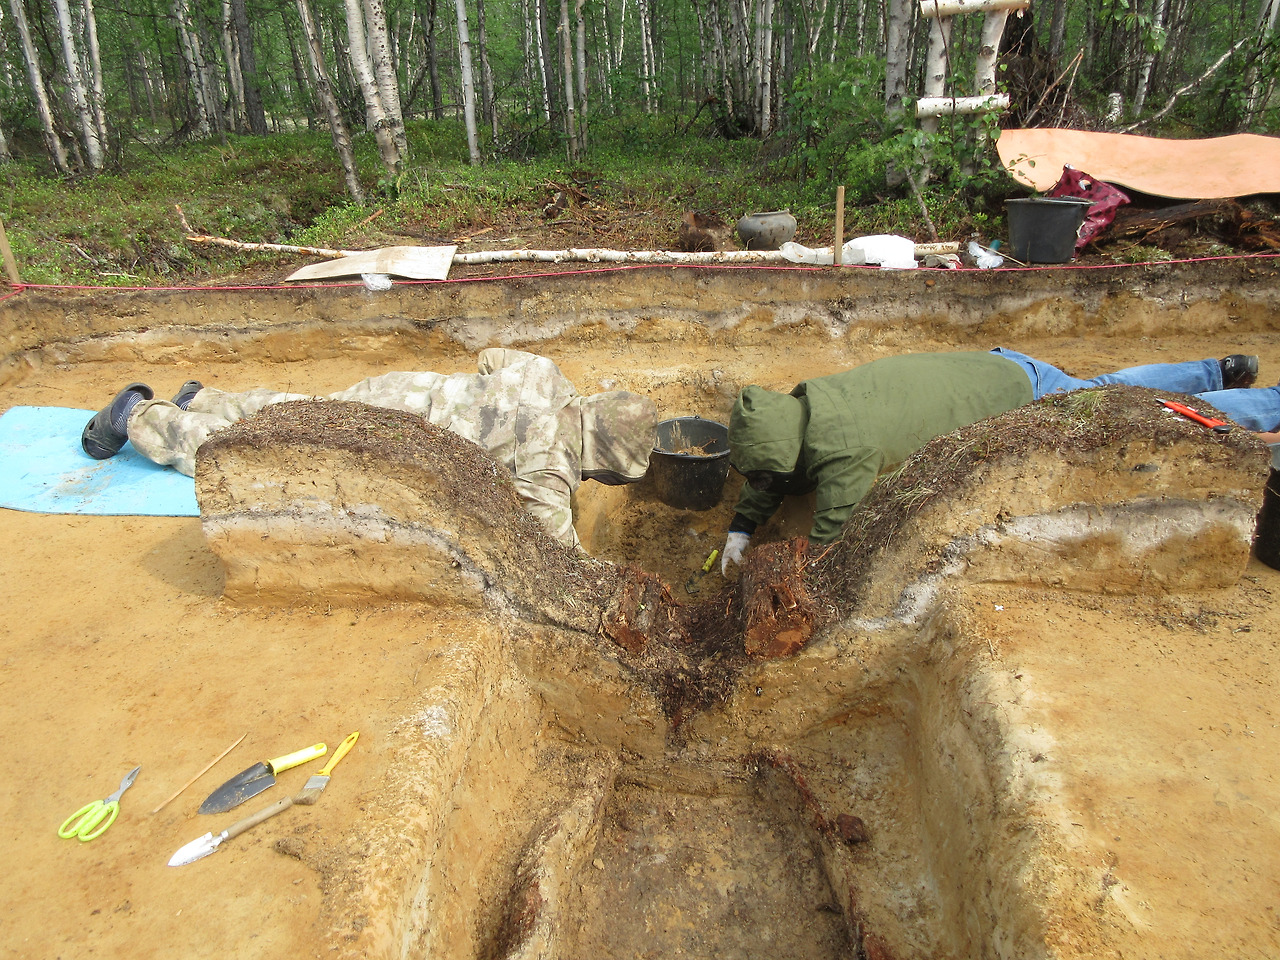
832 755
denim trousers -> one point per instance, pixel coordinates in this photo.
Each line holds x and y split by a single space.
1254 408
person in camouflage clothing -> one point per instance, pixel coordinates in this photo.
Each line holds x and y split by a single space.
519 408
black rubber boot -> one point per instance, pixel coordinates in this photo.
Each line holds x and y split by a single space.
102 438
1238 370
186 392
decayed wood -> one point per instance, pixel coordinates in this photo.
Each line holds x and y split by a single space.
1130 222
778 612
642 611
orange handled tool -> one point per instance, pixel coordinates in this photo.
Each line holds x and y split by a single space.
1217 426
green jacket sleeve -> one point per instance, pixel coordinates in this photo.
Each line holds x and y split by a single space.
758 505
842 483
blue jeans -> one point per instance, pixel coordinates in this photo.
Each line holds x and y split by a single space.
1254 408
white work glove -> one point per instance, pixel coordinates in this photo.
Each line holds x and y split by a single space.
735 545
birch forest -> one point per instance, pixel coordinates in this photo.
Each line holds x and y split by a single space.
82 80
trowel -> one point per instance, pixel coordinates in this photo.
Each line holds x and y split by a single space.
691 586
309 794
249 783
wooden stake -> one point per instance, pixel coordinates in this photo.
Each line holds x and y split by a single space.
207 768
10 264
838 249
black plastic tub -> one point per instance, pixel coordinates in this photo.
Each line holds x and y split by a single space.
1045 229
690 462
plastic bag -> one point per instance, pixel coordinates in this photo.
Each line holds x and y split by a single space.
984 258
798 253
889 251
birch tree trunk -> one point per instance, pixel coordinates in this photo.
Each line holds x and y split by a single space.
764 68
52 142
76 88
896 53
581 57
4 147
1149 57
97 95
375 113
433 64
646 55
468 83
384 72
544 73
236 117
566 59
257 117
1057 29
324 90
487 96
189 45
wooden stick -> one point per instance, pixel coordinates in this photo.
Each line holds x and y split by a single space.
838 249
10 264
207 768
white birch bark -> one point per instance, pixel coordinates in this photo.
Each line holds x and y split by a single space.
97 95
722 58
236 111
566 59
765 65
539 31
52 142
384 72
189 45
622 35
324 90
896 53
4 147
646 55
581 58
76 87
984 70
488 100
1149 57
468 83
375 112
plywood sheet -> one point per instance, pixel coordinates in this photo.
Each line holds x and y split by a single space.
1234 166
412 263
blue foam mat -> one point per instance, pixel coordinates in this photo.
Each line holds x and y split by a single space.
43 470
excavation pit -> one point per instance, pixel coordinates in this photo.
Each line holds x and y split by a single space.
981 748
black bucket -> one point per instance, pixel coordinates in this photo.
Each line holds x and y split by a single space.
1266 537
690 481
1045 229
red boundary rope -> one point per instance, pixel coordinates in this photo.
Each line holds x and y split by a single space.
22 287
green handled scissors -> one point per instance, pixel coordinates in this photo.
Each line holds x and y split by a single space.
92 819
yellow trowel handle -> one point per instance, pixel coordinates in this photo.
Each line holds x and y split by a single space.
294 759
343 748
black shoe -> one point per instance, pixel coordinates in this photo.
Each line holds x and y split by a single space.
101 439
186 392
1238 370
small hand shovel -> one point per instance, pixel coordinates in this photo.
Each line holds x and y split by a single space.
309 794
691 585
316 783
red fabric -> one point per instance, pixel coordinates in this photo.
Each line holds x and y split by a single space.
1106 201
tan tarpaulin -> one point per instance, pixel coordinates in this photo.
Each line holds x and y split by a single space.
1233 166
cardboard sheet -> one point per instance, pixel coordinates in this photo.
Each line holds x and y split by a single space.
43 470
1234 166
411 263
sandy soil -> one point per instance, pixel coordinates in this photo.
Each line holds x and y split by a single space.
117 650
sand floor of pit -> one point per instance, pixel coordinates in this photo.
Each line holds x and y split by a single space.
117 650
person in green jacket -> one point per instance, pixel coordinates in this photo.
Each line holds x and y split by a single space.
836 434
